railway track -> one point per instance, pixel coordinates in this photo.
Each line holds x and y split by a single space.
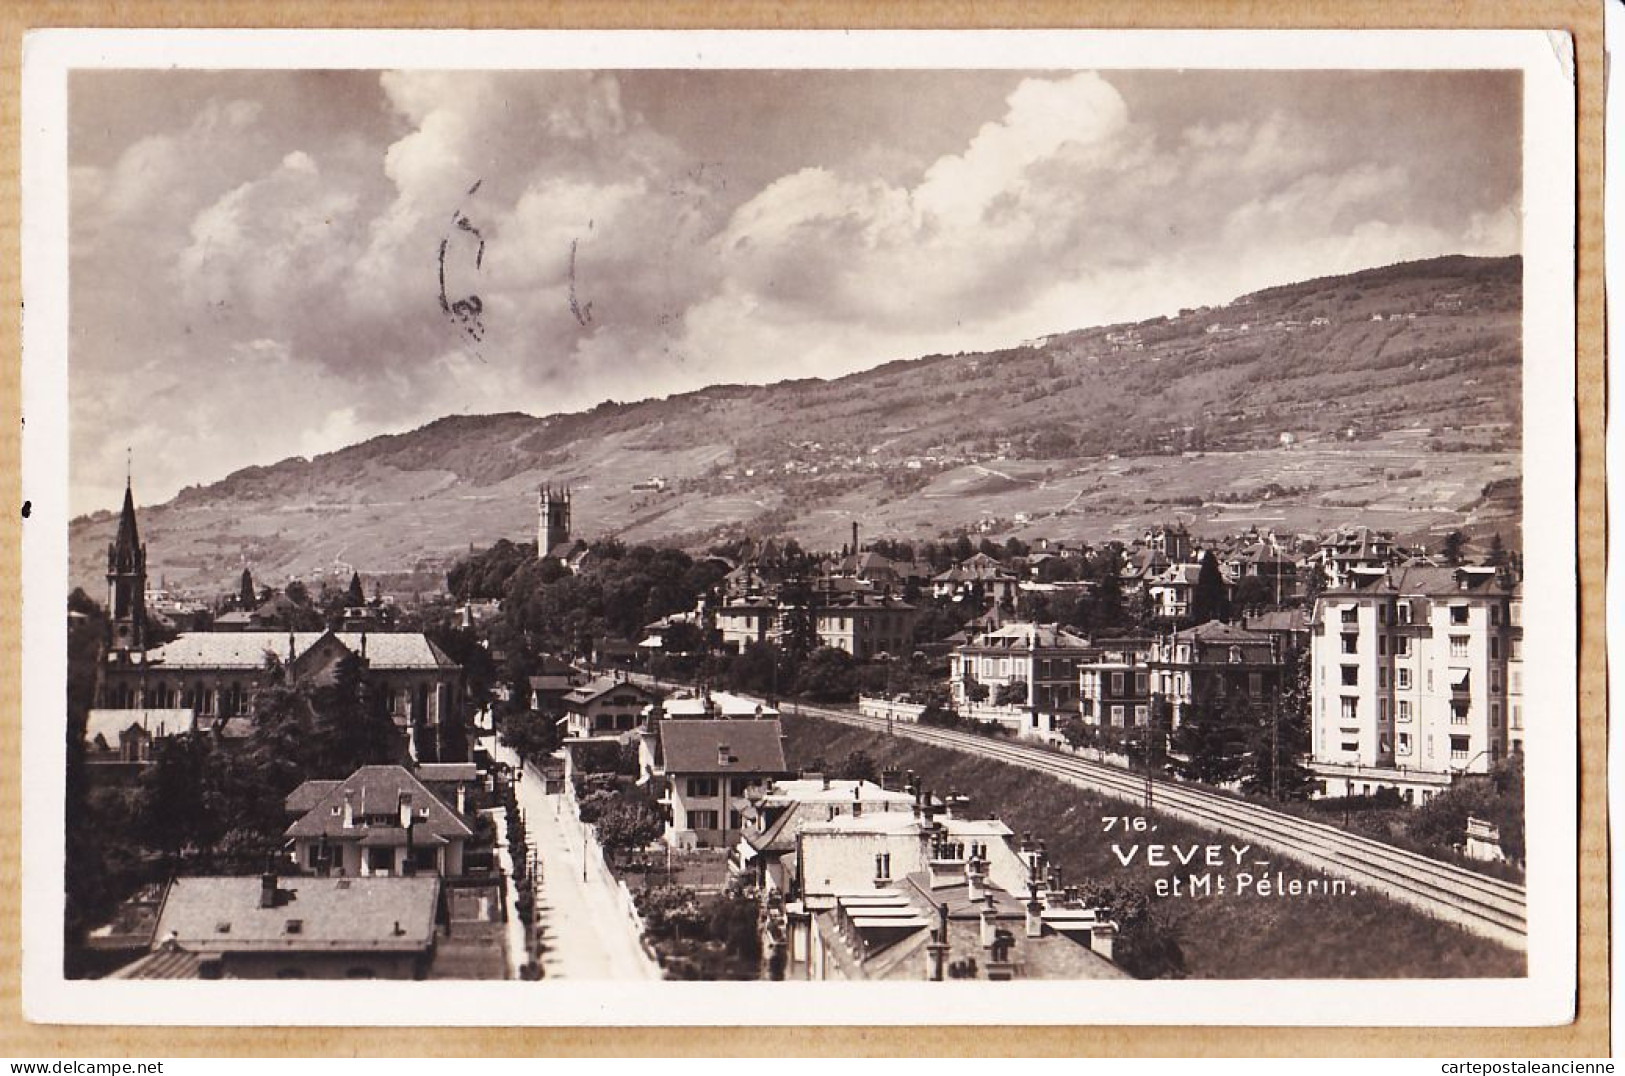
1487 906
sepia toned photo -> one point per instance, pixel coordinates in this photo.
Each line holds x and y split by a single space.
596 520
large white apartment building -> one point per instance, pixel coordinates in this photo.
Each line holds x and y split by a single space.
1411 678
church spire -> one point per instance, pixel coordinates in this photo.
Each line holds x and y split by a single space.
127 581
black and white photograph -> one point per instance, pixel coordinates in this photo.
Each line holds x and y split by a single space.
1058 516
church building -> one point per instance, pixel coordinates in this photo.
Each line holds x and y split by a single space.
204 680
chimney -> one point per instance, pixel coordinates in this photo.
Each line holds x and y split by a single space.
936 951
406 824
349 810
854 537
724 758
268 890
857 802
462 798
1035 919
1102 938
985 917
975 873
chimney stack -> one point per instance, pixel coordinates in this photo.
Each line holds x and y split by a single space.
857 801
854 537
349 810
1103 937
268 890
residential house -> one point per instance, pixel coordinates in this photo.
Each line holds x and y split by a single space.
1288 627
867 627
895 895
978 576
380 820
606 706
708 768
1349 549
1036 663
1171 591
129 737
1410 678
554 679
1207 664
776 812
743 621
293 928
1115 689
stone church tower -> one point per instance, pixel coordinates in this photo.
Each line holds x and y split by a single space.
553 521
127 584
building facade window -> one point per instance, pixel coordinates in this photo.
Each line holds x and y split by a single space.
702 820
1458 646
1458 614
701 788
1350 708
1351 675
1351 643
1404 709
1402 678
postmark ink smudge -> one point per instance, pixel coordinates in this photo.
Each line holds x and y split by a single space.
582 312
464 312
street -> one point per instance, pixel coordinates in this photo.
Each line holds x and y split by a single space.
585 928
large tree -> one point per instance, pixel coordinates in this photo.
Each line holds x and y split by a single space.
1276 764
1209 599
1455 544
1211 742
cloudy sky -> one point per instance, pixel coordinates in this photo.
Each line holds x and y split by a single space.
268 264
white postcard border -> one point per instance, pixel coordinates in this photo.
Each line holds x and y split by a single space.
1546 996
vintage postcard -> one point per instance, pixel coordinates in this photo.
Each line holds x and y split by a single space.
738 527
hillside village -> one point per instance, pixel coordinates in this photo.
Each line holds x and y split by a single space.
1394 392
278 782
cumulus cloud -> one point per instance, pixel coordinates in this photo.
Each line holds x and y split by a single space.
249 284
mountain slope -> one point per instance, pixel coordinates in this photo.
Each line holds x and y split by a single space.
1397 388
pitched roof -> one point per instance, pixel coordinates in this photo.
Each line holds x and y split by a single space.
437 772
1024 633
1177 574
695 746
165 962
223 914
308 795
1278 620
250 649
1217 631
601 686
110 724
378 790
717 704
